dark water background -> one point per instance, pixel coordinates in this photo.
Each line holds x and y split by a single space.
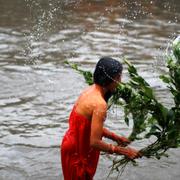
37 90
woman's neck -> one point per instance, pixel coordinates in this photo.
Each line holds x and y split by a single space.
100 89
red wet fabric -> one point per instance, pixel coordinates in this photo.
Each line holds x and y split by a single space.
79 160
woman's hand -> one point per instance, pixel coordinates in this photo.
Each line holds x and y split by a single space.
123 141
130 153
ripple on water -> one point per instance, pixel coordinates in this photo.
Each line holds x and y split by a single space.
29 162
37 91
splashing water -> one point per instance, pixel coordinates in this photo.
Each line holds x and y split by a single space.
34 112
43 15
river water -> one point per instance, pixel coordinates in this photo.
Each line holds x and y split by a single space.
37 90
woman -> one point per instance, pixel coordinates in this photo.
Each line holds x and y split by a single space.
83 142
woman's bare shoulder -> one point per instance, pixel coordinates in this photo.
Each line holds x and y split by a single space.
93 96
90 100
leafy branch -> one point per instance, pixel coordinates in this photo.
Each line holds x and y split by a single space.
150 117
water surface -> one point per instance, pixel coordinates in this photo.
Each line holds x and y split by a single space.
37 90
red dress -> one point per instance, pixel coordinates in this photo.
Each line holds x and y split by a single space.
78 159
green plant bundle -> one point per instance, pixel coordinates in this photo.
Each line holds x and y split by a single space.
149 116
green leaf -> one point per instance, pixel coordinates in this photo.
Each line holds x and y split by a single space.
131 68
126 120
148 92
165 79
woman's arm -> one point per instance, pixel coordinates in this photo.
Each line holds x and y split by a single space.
121 140
99 113
97 122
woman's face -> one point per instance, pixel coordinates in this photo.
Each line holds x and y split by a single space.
112 87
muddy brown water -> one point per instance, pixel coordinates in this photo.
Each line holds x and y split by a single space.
37 90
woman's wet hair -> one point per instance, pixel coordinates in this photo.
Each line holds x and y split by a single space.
106 70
